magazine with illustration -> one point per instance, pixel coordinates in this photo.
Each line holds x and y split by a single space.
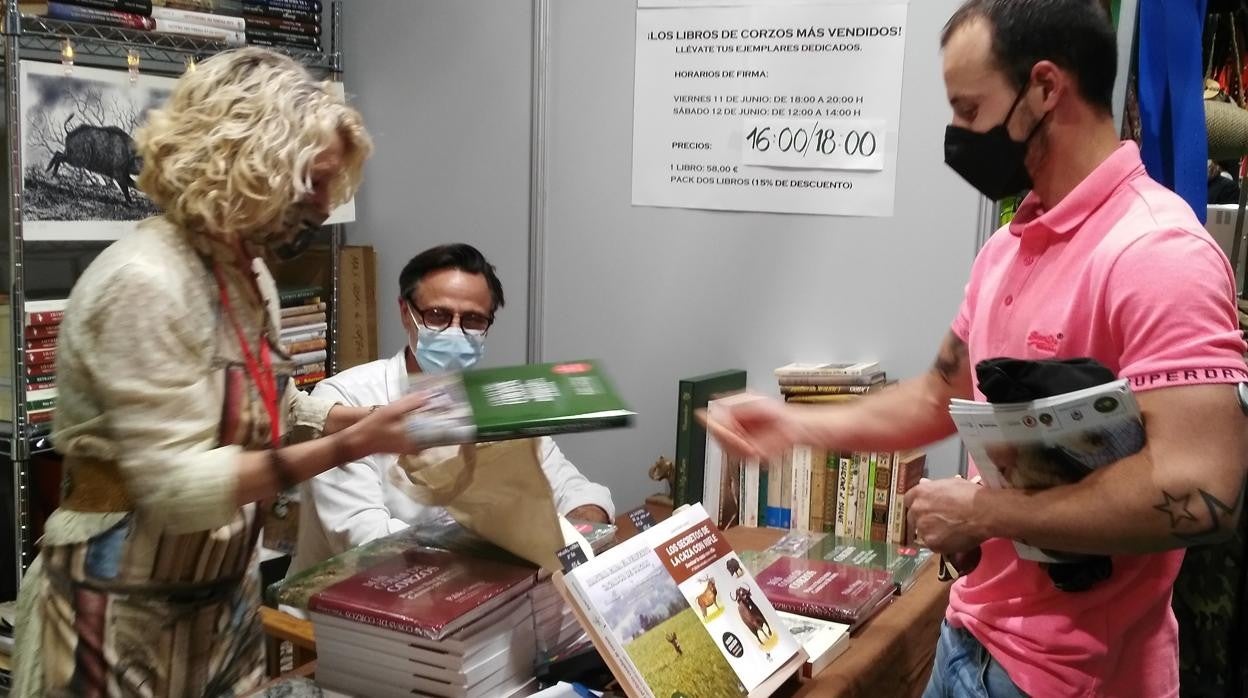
514 402
673 611
1050 441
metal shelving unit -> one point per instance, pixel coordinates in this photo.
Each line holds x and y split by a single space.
41 38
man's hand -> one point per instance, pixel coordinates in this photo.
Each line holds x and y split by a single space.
588 512
942 513
753 426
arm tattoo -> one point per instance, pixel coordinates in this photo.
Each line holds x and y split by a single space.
1222 516
950 359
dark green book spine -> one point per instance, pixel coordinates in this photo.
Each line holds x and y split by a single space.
695 393
290 296
762 497
830 492
684 425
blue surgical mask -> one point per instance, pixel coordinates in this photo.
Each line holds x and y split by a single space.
448 350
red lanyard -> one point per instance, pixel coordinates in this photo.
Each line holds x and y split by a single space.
261 371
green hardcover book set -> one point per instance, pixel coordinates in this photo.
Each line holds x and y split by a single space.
496 404
695 393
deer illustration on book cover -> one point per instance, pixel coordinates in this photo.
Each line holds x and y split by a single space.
683 610
704 567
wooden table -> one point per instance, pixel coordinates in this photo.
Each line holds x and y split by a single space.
891 655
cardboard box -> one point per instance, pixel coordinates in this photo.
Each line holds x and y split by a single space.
357 301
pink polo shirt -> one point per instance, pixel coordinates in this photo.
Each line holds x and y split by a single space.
1121 271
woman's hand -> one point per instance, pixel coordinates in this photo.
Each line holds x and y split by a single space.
384 430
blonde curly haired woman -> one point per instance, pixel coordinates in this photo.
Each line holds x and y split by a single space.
174 395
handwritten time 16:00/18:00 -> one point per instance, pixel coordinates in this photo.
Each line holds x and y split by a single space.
821 139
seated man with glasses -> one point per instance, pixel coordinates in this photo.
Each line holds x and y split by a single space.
448 297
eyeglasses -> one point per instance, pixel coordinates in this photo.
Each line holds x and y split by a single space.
438 319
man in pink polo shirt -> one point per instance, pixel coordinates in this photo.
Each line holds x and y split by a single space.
1099 262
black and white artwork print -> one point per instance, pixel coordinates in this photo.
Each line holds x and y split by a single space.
78 154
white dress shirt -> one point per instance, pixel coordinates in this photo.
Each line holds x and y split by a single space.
353 504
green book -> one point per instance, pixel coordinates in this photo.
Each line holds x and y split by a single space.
496 404
869 496
694 394
290 295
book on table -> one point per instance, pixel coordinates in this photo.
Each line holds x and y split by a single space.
826 590
902 562
822 640
674 612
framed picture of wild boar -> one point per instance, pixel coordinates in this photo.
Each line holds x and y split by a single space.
78 154
78 157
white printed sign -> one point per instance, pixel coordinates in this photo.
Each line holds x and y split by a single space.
768 106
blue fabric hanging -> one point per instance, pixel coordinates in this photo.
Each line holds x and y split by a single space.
1175 145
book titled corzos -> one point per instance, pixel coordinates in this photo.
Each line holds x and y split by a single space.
673 612
827 590
425 593
515 402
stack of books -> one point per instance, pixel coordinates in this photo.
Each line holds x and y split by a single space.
209 19
127 14
559 633
41 327
394 617
484 652
464 650
284 23
305 333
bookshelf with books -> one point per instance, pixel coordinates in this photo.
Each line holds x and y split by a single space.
858 496
105 38
304 29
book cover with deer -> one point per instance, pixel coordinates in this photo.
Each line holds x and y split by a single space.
677 613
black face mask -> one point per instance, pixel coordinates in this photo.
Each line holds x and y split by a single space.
299 230
991 161
297 245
